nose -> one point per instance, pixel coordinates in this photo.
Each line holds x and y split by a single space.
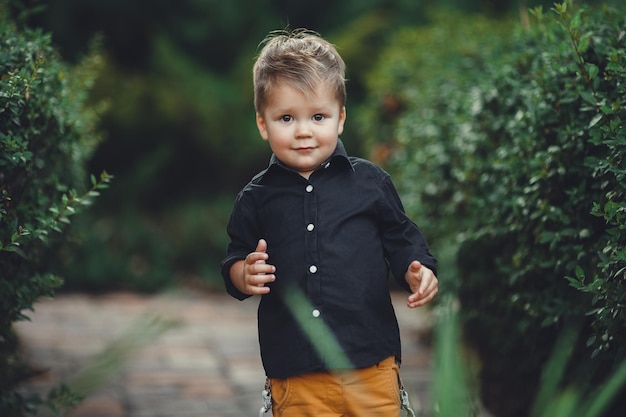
303 130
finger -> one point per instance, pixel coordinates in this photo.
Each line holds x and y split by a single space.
260 280
428 289
256 283
417 296
414 302
427 285
415 267
256 258
414 276
257 290
260 268
261 246
259 256
427 281
260 273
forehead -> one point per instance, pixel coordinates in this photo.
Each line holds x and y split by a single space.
286 95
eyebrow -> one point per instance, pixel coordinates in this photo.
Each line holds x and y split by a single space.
290 110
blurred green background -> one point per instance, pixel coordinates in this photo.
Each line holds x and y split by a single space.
502 124
177 121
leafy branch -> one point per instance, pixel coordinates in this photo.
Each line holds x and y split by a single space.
60 215
20 86
580 43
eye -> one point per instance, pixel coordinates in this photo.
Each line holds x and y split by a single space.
286 118
318 117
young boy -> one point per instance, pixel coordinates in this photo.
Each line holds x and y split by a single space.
315 235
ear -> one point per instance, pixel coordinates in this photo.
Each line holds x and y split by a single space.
260 124
342 120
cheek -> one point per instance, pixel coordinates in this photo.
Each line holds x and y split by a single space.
281 131
278 137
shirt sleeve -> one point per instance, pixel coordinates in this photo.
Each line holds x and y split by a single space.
243 231
403 241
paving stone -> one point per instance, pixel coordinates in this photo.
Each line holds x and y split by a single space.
99 407
207 366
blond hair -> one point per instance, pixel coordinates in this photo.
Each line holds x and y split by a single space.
302 59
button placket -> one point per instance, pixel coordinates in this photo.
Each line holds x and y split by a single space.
310 241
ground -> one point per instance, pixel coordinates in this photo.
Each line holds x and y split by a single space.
207 365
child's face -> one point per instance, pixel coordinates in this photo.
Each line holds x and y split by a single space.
301 130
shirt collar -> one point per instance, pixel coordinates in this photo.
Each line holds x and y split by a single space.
339 154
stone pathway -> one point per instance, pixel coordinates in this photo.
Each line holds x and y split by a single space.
208 365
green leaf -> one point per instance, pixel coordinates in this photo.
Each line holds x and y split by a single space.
580 274
573 282
595 120
608 110
14 248
588 97
583 43
560 8
574 24
592 70
591 340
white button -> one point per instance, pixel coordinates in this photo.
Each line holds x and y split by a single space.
327 165
310 227
312 269
309 188
316 313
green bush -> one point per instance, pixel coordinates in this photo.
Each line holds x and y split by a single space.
419 115
453 380
509 150
45 137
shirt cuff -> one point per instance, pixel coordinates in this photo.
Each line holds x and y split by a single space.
228 283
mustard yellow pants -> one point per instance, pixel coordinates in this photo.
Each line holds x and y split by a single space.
368 392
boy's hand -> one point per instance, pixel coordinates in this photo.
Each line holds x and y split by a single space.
251 275
423 283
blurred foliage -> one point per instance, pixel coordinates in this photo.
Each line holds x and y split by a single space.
507 146
416 110
454 380
179 132
46 136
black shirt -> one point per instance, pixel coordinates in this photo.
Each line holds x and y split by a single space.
333 239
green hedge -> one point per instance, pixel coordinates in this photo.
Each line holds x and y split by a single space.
45 137
508 147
